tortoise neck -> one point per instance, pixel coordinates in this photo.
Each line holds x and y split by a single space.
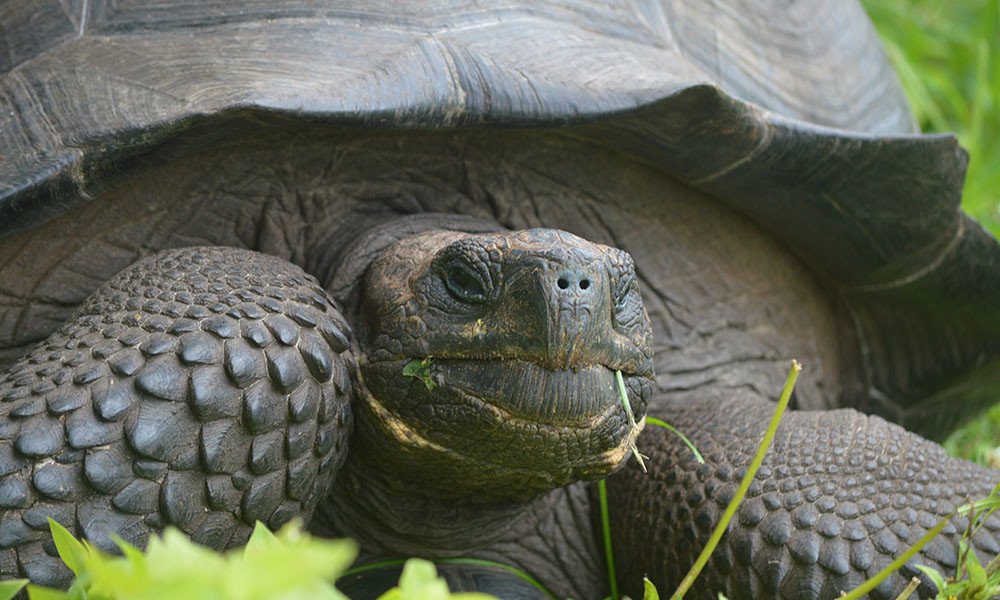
390 519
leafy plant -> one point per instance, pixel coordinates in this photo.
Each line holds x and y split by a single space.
979 583
9 589
972 581
289 565
419 581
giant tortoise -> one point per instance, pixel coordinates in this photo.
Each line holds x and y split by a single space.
375 264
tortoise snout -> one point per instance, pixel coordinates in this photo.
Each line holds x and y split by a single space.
577 312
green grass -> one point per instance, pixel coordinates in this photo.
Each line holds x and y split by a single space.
979 440
947 54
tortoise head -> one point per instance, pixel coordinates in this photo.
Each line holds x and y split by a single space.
489 361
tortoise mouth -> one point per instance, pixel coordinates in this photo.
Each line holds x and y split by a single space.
578 397
531 429
520 389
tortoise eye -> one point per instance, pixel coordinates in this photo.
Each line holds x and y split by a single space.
464 284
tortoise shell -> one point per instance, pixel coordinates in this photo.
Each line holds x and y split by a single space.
787 113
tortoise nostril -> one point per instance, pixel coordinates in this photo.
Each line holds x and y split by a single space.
574 281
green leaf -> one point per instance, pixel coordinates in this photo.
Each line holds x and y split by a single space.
71 551
261 539
649 591
37 592
977 574
421 369
132 554
993 567
290 564
419 581
9 589
934 576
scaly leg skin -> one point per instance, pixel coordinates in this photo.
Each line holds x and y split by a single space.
204 388
840 495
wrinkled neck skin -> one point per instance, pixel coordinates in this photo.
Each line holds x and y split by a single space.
392 515
550 537
382 510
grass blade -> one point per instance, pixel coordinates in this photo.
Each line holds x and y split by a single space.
741 491
895 565
634 428
909 589
668 426
602 492
991 502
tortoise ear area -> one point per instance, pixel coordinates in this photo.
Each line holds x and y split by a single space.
626 301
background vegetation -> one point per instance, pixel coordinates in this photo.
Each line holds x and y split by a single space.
947 53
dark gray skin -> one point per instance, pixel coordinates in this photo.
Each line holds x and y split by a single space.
525 332
377 498
208 388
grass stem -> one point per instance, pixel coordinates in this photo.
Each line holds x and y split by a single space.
909 589
634 428
741 491
873 582
602 492
684 438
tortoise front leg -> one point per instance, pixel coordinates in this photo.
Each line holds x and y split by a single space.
204 388
839 496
